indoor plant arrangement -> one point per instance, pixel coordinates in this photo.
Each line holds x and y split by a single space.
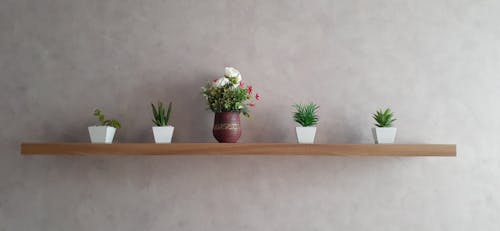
228 97
105 131
306 115
162 131
384 133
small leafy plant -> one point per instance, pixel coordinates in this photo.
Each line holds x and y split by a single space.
106 122
160 118
384 118
306 114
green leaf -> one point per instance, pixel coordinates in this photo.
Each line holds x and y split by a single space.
155 112
169 112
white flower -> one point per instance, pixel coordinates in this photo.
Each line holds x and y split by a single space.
231 72
233 75
238 78
221 82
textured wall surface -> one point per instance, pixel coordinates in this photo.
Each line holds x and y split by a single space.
435 62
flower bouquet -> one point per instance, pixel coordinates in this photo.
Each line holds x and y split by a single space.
229 97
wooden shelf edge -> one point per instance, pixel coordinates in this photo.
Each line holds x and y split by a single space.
387 150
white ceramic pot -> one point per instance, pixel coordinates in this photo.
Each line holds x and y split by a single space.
384 135
101 134
163 135
305 135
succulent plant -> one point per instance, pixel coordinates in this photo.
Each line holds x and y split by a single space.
306 114
106 122
384 118
160 118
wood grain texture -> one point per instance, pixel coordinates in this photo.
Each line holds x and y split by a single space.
239 149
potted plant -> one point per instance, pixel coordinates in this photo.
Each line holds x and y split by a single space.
384 133
105 131
162 131
228 97
306 115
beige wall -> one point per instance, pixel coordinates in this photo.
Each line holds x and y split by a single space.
435 62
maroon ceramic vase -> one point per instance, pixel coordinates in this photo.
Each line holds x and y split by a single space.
227 128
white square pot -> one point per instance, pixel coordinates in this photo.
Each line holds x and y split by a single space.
101 134
305 135
163 135
384 135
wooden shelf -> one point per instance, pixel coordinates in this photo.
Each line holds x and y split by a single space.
119 149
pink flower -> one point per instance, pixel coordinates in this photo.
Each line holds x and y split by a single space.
242 85
257 96
215 80
249 88
251 104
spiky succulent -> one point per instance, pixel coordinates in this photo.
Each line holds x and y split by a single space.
106 122
306 114
384 118
160 118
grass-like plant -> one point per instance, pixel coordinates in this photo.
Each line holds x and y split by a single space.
384 118
160 118
106 122
306 114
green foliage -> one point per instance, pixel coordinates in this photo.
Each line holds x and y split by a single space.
384 119
306 114
104 122
160 118
228 98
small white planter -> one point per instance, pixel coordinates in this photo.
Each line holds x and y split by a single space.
101 134
305 135
163 135
384 135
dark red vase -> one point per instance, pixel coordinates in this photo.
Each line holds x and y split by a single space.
227 128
